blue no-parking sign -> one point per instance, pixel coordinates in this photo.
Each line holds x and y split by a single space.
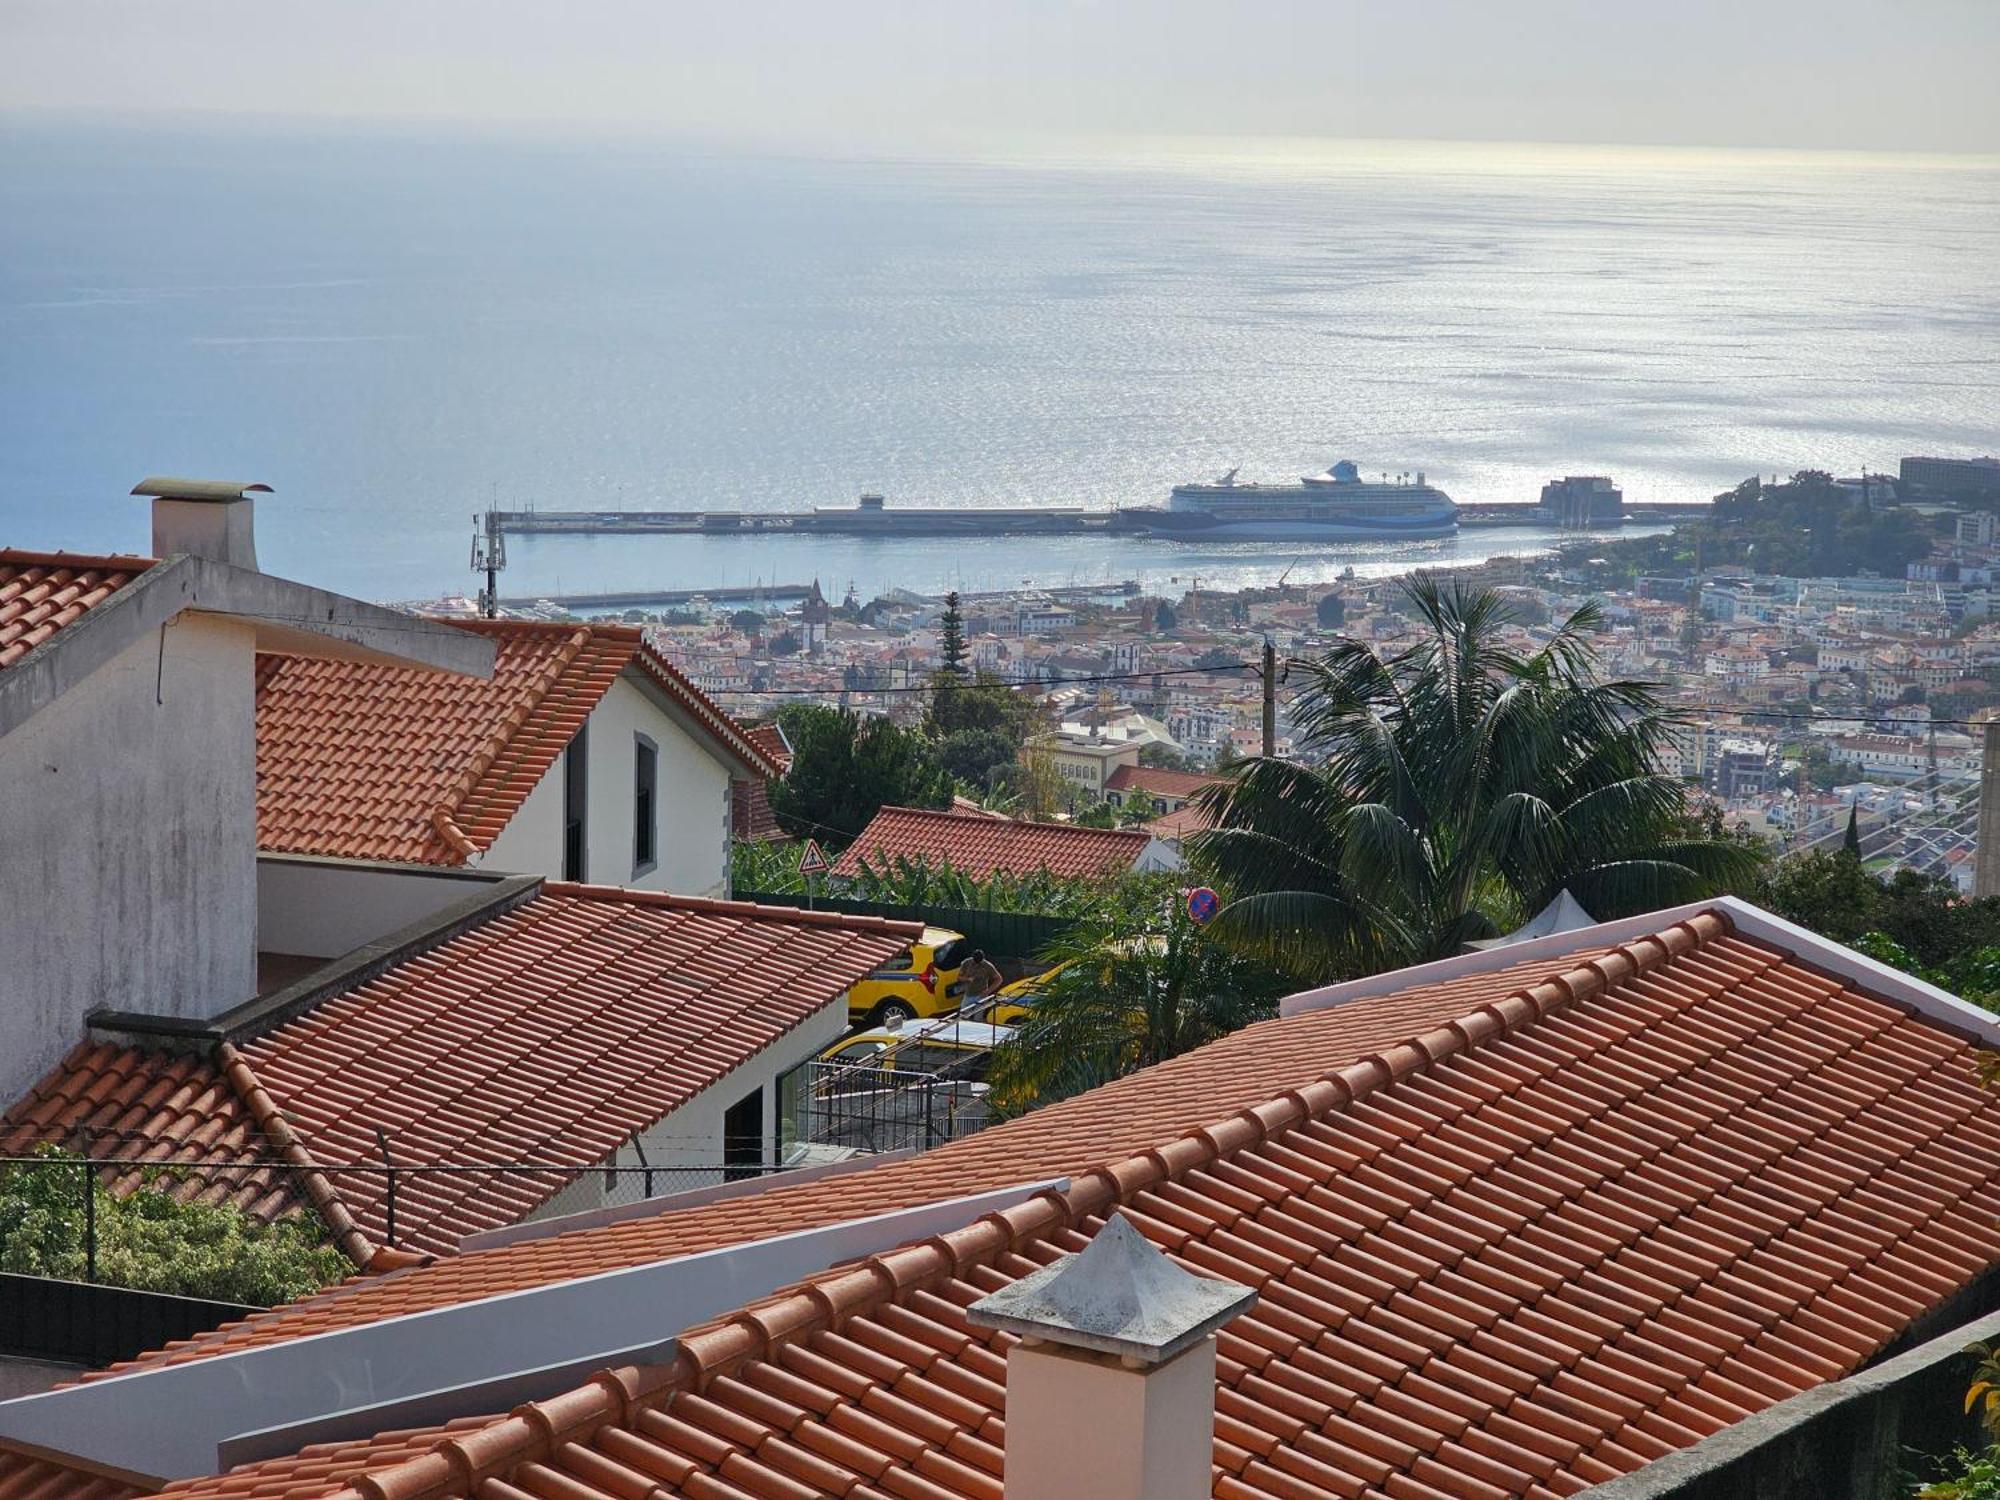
1202 904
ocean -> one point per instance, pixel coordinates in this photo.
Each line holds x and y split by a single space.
396 331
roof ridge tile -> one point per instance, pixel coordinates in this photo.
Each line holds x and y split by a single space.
725 906
271 1121
467 781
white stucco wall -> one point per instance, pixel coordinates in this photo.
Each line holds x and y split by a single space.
128 858
692 1135
692 803
324 908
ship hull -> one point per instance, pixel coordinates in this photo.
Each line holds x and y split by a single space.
1196 526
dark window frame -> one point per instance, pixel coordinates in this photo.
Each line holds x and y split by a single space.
576 805
645 805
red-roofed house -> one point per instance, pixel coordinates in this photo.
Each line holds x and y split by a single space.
979 846
574 1028
1156 789
1517 1223
586 756
128 870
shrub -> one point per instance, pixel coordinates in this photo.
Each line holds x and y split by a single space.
151 1241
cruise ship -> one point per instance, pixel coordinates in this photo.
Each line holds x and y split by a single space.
1335 505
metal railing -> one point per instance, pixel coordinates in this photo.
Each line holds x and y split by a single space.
883 1106
394 1202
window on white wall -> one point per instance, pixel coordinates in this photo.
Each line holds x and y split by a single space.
576 797
645 804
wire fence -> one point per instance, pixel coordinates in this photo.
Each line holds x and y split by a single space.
422 1206
915 1093
872 1107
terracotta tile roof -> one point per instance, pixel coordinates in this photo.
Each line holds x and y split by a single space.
1178 824
1593 1219
376 762
321 1467
551 1033
770 739
750 815
157 1109
26 1477
40 592
1159 781
981 846
1126 1116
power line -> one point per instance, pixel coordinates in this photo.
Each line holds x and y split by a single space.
1862 718
868 692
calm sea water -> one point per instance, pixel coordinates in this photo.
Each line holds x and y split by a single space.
396 332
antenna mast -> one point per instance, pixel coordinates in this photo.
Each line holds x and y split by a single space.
489 556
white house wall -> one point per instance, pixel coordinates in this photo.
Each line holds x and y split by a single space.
691 1137
532 841
324 908
128 825
691 843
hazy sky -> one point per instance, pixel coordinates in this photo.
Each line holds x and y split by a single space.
1870 74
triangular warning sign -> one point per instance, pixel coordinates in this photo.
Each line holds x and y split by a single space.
812 859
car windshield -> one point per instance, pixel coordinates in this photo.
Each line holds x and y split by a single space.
952 954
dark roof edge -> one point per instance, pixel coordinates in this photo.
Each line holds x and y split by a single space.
253 1018
1725 1461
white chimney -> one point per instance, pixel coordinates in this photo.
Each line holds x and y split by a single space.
204 517
1111 1391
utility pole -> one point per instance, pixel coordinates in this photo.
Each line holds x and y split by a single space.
1270 669
1933 767
1986 852
489 555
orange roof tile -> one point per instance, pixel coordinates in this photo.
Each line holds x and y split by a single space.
750 815
1160 781
155 1109
1592 1219
40 592
375 762
551 1033
26 1477
1122 1117
979 846
1179 823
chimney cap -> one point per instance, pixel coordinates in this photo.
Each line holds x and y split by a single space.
164 488
1118 1295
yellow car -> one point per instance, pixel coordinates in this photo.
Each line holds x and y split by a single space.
1012 1002
922 982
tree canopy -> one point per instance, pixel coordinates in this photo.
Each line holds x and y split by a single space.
977 726
845 768
1453 788
151 1241
1134 987
951 636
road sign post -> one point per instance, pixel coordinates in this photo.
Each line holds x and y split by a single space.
812 861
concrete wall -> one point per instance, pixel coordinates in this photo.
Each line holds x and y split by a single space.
323 908
128 860
692 1135
692 805
1851 1439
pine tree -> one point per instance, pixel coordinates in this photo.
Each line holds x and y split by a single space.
951 645
1852 843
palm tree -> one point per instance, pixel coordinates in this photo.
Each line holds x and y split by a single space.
1127 990
1454 789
